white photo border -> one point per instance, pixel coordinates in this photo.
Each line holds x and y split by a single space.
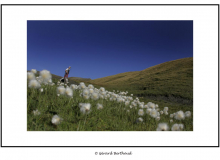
205 68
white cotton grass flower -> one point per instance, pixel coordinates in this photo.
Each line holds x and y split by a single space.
151 105
102 89
58 95
179 115
56 120
165 109
148 111
69 92
154 113
181 126
45 75
90 86
91 90
81 104
34 84
30 76
61 90
41 89
156 106
120 99
86 96
127 103
95 96
99 106
86 108
73 86
166 113
82 85
175 127
145 106
162 127
157 118
34 71
171 120
101 96
141 106
36 112
171 115
187 114
139 120
86 92
140 112
161 112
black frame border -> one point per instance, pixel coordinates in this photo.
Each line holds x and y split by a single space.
110 5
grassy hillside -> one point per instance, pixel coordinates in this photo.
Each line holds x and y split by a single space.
172 81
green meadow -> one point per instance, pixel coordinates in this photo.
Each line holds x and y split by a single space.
127 102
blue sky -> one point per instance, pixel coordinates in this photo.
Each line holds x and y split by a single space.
96 49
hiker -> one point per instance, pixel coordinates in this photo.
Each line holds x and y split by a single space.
67 71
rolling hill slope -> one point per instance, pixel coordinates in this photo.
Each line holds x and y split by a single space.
169 80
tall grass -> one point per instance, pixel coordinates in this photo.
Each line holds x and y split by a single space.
115 116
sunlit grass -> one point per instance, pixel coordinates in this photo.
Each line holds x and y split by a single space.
51 107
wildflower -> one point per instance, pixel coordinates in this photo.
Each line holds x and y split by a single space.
120 99
161 112
165 109
133 104
153 113
80 105
141 106
171 115
73 86
56 120
156 106
61 90
85 92
166 113
101 96
187 114
90 86
34 84
139 120
41 89
179 115
102 89
158 118
45 75
181 126
86 96
58 95
85 109
91 90
36 112
162 127
148 111
131 94
171 120
151 105
82 85
69 92
34 71
175 127
127 103
99 106
30 76
141 112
